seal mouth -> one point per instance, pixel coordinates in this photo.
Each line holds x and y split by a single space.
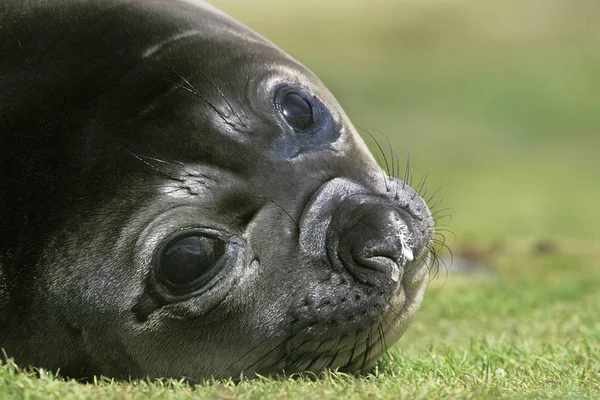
354 346
357 354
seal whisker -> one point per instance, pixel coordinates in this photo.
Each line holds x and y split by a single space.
396 166
441 217
394 156
407 178
369 344
443 261
175 190
422 185
191 89
153 167
252 350
448 212
224 98
395 161
387 167
287 213
309 162
241 103
330 364
442 231
438 200
290 353
354 347
410 170
264 357
437 260
432 196
382 337
397 175
439 239
441 226
284 356
174 163
395 313
439 246
180 86
195 93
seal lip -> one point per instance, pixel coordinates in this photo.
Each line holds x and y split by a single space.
171 292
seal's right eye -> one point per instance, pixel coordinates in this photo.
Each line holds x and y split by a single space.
188 263
297 111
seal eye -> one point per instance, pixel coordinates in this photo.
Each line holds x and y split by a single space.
307 124
188 262
297 111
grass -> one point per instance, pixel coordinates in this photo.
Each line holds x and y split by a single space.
524 332
499 100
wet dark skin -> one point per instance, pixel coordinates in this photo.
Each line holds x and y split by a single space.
180 198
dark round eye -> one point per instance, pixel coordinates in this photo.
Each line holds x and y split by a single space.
297 111
189 261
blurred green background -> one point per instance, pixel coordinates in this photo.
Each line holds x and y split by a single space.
499 100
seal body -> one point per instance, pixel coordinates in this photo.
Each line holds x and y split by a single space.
179 197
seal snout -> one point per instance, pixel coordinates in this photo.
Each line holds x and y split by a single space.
372 239
372 236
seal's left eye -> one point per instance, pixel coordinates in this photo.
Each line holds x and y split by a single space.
297 111
189 261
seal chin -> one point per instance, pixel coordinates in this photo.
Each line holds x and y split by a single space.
351 330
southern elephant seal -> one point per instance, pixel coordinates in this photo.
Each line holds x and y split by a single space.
179 197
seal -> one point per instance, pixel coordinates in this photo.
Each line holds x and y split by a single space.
180 198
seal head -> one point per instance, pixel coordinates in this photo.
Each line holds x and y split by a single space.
182 198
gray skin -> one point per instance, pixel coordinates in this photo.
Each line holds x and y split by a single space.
126 125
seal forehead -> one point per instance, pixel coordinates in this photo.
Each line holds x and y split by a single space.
215 28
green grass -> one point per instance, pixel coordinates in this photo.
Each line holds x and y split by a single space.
525 332
499 100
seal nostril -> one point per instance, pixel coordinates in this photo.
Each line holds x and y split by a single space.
373 240
387 256
383 264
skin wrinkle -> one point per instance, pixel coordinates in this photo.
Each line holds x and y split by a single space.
154 49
